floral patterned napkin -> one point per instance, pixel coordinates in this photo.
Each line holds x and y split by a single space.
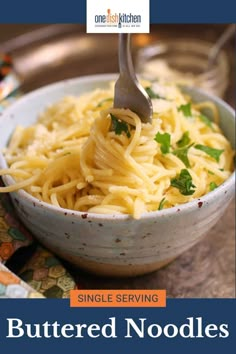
42 275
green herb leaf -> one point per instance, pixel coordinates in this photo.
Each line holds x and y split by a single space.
152 94
186 109
213 186
164 140
182 154
161 205
100 104
185 140
214 153
184 183
206 120
221 169
210 172
119 126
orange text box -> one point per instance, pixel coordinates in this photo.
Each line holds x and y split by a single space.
118 298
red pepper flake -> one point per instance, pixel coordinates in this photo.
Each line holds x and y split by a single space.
5 70
7 58
200 204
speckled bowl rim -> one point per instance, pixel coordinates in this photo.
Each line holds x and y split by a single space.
183 208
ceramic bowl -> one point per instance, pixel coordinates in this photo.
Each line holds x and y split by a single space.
114 245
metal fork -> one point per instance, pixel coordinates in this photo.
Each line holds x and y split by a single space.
128 91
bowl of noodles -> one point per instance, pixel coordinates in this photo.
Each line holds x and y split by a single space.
109 194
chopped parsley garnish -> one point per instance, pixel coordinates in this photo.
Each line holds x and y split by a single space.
210 172
186 109
164 140
213 186
221 169
161 205
152 94
184 183
182 154
185 140
119 126
103 101
206 120
214 153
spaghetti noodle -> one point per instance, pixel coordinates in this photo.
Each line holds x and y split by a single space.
83 155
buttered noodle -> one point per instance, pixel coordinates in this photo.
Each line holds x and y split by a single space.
74 156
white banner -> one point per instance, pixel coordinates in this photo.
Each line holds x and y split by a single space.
114 16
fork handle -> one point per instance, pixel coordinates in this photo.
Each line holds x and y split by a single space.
125 58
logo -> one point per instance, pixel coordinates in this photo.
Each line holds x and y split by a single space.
112 16
118 20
